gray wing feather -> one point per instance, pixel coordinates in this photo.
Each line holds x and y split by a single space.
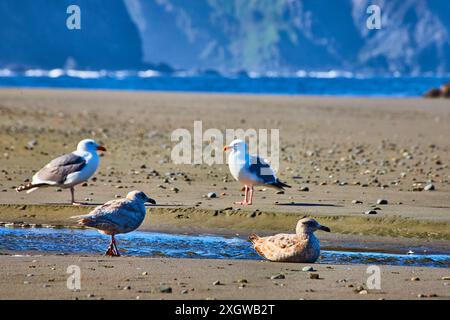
58 169
115 215
262 169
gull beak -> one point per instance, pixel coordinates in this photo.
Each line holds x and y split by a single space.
101 148
226 148
323 228
150 200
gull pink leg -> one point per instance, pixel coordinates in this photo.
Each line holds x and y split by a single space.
250 201
245 201
116 250
112 249
109 252
72 194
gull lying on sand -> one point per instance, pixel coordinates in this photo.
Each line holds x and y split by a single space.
67 170
300 247
117 216
250 170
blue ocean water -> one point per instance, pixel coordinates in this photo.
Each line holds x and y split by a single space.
302 83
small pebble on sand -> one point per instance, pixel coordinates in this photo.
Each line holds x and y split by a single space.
211 195
165 289
363 292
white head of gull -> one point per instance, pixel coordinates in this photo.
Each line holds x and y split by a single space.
250 170
303 246
117 216
68 170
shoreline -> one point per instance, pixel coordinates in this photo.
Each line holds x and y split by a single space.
220 93
233 220
239 224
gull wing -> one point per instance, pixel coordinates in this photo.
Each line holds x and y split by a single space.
57 170
262 170
115 216
280 247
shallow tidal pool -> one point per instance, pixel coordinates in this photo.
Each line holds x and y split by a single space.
154 244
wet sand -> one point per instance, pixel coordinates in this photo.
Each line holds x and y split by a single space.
45 277
342 149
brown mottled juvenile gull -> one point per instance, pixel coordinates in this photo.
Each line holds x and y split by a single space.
250 170
67 170
303 246
117 216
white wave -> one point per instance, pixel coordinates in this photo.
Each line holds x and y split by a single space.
330 74
56 73
148 74
254 75
36 73
121 74
86 74
6 73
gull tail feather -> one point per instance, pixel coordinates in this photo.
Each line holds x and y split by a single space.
280 185
253 237
30 187
83 220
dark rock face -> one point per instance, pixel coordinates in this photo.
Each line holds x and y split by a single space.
442 92
228 35
33 34
291 35
445 90
433 93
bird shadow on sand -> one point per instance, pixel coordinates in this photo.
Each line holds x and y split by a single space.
92 204
166 205
302 204
79 204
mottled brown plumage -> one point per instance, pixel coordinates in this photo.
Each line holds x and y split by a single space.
117 216
303 246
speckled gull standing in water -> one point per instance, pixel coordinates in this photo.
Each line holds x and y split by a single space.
250 170
117 216
67 170
303 246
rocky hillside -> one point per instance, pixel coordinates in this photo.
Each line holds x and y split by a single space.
262 36
33 34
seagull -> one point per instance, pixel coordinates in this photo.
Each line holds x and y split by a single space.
250 170
117 216
67 170
303 246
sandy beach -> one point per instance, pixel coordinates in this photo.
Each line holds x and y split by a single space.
45 277
348 152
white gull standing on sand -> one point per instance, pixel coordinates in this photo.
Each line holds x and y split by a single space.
250 170
303 246
67 170
117 216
